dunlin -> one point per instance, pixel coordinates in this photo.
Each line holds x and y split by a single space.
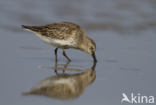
64 35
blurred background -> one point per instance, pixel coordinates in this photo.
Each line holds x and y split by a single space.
124 31
117 15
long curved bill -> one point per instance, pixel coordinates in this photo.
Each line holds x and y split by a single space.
94 57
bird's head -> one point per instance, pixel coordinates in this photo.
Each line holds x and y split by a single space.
91 48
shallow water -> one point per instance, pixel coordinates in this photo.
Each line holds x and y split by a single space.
124 32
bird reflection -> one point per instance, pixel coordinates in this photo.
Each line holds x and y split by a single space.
64 86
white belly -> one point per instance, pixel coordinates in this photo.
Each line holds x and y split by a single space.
55 42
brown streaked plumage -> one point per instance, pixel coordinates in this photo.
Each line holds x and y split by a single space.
64 35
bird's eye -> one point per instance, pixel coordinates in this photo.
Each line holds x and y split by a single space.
91 47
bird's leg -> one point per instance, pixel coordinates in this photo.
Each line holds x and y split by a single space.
65 55
56 54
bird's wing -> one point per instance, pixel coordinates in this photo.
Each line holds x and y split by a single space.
55 31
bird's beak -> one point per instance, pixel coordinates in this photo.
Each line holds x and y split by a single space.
94 57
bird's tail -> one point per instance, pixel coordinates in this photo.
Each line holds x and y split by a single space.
31 28
24 27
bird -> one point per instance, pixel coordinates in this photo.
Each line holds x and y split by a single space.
64 35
